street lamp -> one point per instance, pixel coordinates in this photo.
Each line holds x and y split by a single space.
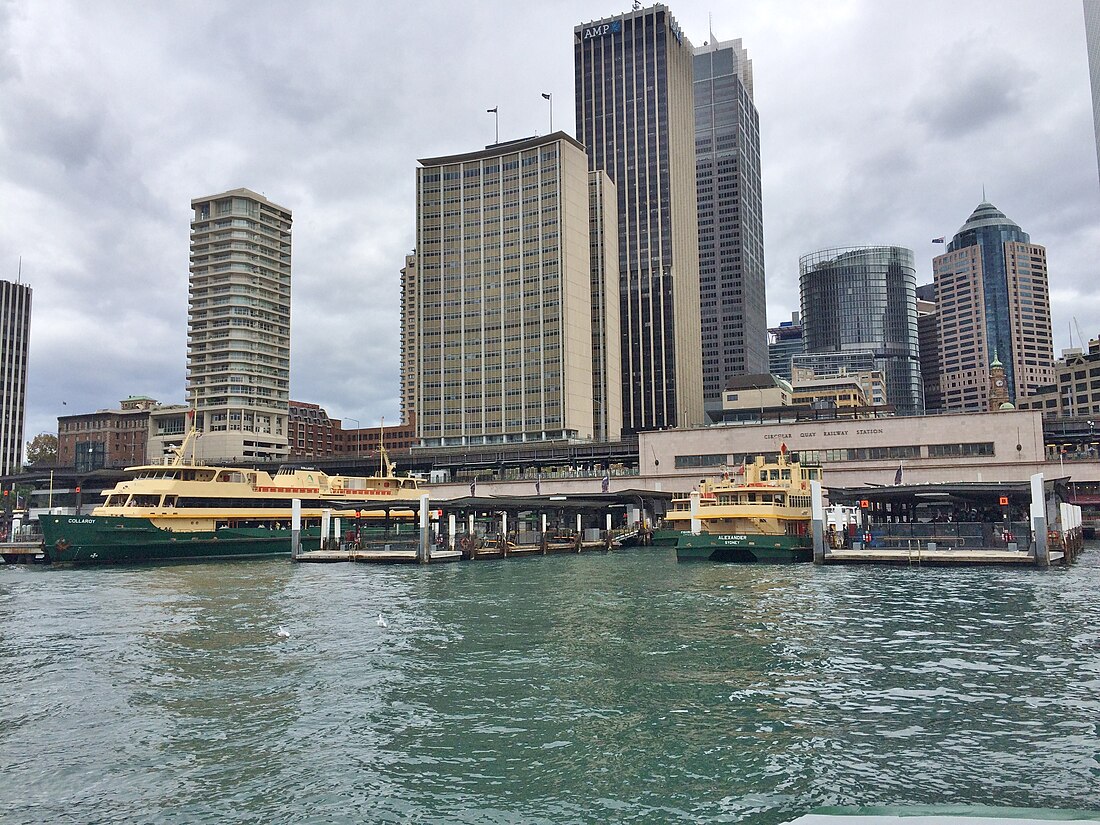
356 420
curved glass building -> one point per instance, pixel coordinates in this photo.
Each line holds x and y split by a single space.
864 299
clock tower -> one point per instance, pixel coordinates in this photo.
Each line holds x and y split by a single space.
998 389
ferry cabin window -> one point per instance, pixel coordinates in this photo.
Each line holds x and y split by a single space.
786 474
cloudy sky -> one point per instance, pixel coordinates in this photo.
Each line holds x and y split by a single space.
881 122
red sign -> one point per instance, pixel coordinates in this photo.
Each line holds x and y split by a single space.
1004 501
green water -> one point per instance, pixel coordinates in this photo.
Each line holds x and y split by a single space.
599 688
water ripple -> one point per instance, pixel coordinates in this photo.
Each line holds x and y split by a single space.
616 687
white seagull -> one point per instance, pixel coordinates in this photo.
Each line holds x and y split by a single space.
282 632
382 621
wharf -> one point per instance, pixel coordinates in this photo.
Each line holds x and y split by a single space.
375 556
944 557
23 552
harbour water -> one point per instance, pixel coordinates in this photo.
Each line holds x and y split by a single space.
620 687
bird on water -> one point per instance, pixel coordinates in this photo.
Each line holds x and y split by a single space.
282 632
382 621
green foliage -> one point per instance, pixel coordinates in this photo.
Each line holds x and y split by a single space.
42 449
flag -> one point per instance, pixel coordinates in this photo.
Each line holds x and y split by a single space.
473 487
939 240
538 485
606 485
545 96
897 476
492 111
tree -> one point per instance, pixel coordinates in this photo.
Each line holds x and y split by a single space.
42 449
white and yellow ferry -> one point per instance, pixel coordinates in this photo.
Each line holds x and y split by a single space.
185 510
758 512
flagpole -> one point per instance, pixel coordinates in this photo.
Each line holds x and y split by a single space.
550 97
496 123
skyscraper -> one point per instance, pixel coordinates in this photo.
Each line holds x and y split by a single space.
502 343
863 298
635 117
785 341
928 335
15 329
238 325
731 225
993 300
1092 41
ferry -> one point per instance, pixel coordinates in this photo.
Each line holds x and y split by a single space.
189 511
760 512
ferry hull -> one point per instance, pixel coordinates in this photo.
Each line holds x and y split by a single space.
92 540
664 537
744 549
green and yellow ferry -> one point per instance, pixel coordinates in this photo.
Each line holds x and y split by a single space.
758 513
187 511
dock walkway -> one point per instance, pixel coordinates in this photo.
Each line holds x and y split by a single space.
376 556
969 556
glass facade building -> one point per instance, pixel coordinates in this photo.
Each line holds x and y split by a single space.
1092 41
633 75
733 309
864 298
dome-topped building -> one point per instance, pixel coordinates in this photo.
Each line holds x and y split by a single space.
993 298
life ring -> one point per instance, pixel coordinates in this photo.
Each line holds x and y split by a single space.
466 543
62 545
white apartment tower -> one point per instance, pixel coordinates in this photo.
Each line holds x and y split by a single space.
238 326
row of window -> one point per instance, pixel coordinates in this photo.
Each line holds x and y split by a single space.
895 452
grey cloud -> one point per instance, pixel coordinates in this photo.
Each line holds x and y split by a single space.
969 94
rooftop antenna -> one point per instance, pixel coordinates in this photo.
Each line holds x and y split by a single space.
983 194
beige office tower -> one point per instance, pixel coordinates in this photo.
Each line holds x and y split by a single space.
607 371
504 305
994 304
635 116
238 326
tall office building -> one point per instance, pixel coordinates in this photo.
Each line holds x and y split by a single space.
993 301
238 326
502 345
864 299
635 116
928 337
731 224
15 331
1092 40
785 341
